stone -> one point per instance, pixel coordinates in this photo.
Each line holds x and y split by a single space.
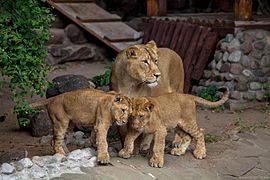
207 74
234 137
41 124
225 67
78 135
256 54
53 169
229 38
224 46
235 56
51 60
259 45
259 35
78 53
249 96
249 38
228 76
218 55
225 56
235 95
258 73
26 162
212 64
233 45
255 85
236 68
13 155
37 172
75 34
241 78
58 50
92 162
7 168
230 85
246 47
219 64
57 36
246 61
265 62
46 139
66 83
80 154
247 73
18 166
241 86
260 96
60 21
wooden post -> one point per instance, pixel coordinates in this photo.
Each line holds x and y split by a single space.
243 10
156 7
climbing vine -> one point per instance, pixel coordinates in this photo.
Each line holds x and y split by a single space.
24 30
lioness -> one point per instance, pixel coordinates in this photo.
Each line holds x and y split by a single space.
155 115
90 107
145 70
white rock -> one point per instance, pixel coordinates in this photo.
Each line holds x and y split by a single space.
37 172
26 162
6 168
235 56
92 162
46 139
78 135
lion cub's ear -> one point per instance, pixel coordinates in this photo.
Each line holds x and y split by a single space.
152 45
149 106
118 98
132 52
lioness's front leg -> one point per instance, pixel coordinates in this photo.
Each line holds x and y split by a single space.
129 143
157 160
102 145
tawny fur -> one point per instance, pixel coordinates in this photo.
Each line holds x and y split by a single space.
90 107
156 115
145 70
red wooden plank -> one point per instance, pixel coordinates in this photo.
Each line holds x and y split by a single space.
187 40
181 39
165 33
169 36
154 30
176 34
160 32
209 46
148 30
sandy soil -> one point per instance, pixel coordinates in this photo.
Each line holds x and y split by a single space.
218 123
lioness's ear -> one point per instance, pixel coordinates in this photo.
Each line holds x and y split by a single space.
132 52
118 98
152 45
149 106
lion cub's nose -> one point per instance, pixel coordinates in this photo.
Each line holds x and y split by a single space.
123 110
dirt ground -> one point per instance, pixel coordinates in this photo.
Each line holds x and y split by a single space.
220 125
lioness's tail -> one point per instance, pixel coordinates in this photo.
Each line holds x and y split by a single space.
204 102
39 103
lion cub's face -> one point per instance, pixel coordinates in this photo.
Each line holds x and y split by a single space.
121 109
141 113
142 64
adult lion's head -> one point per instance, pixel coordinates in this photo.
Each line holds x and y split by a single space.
142 63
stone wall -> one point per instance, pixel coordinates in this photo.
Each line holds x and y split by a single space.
242 63
69 42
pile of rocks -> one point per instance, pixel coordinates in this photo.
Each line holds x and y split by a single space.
68 42
242 63
46 167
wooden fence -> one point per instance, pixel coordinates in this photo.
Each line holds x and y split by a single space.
193 43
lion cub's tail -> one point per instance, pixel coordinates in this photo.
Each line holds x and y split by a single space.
40 103
204 102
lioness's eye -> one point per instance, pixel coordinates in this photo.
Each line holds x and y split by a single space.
145 61
156 61
141 116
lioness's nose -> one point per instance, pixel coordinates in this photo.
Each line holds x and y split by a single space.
157 75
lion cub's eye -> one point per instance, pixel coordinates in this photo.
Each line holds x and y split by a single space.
141 116
145 61
156 61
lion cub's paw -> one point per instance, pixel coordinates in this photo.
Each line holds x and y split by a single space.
199 153
103 158
178 151
124 154
156 162
176 144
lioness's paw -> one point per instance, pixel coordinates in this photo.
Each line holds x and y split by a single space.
199 153
156 162
103 158
178 151
124 154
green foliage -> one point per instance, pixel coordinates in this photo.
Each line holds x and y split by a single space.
24 29
266 86
104 79
209 93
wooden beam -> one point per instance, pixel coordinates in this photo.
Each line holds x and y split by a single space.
72 1
156 7
243 10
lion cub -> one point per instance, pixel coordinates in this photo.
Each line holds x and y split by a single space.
90 107
155 115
